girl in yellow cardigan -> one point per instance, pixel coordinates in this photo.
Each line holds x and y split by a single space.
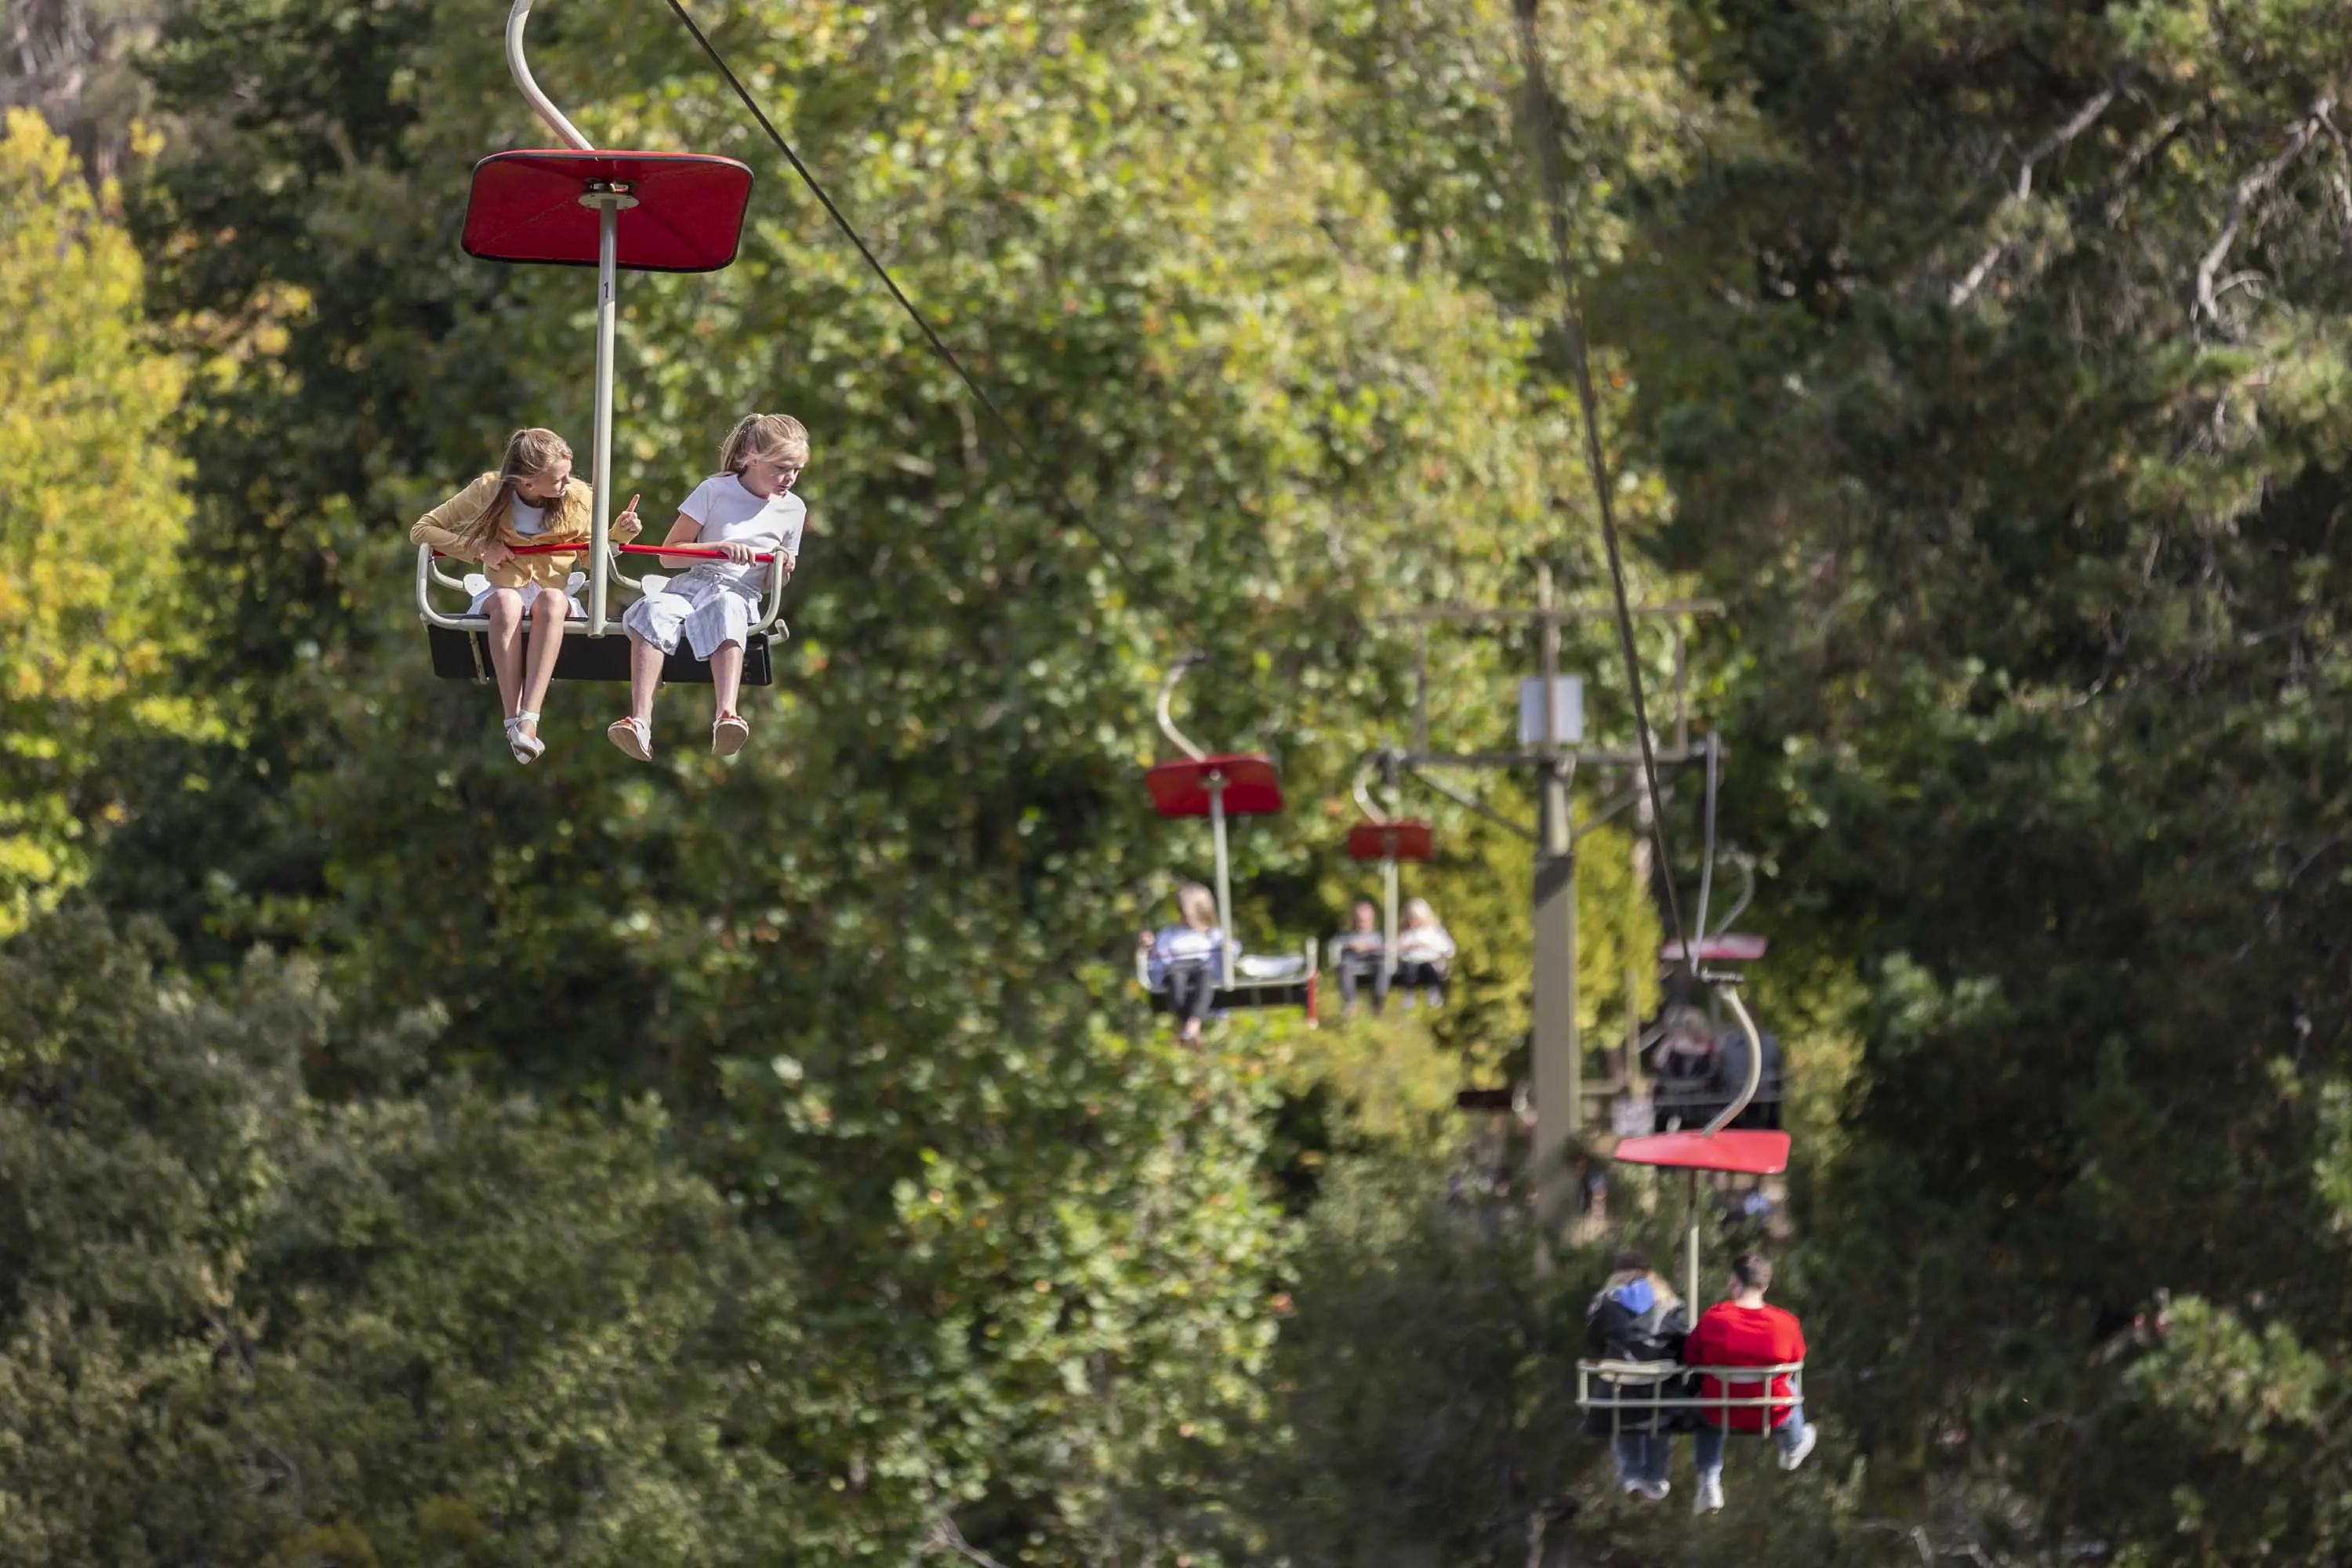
530 499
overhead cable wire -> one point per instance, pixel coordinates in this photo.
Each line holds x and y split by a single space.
849 231
1571 321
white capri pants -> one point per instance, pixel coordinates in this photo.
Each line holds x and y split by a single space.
710 610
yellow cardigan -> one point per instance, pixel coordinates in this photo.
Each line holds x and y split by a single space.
446 529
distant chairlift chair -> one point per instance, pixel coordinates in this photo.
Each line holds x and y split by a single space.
1234 784
1625 1388
1388 841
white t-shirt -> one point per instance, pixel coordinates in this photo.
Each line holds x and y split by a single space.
730 513
526 520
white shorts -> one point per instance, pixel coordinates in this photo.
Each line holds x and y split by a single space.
479 586
711 613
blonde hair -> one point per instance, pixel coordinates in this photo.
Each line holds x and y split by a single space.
1417 910
529 452
774 438
1198 905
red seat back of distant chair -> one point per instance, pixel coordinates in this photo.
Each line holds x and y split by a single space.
687 217
1180 788
1390 840
1729 947
1744 1151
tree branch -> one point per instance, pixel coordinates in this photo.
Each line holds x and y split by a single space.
946 1537
2243 195
2081 120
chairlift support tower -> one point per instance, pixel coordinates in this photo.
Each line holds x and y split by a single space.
1559 1049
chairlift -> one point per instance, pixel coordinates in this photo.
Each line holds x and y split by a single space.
1387 842
577 205
1227 784
1676 1102
1640 1387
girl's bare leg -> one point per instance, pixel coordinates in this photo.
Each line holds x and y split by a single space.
504 612
547 614
726 677
644 676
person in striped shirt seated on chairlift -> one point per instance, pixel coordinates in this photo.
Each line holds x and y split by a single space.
1188 959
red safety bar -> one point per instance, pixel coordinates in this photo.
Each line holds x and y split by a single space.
707 553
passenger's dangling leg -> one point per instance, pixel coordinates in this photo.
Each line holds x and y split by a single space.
503 610
549 610
1706 1456
728 728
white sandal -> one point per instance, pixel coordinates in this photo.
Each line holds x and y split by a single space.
633 736
525 747
728 733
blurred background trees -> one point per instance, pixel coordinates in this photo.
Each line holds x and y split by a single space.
415 1160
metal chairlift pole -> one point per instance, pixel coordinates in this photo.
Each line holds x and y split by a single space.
608 204
1216 782
1723 1118
608 218
1389 905
1558 1049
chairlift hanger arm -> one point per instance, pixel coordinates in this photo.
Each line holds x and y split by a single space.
1746 864
1385 760
517 19
1167 690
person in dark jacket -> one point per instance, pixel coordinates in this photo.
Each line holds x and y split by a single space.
1635 1316
1731 1073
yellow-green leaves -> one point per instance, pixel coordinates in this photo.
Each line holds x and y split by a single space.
90 513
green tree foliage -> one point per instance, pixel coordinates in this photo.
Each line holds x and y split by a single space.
877 965
1999 378
421 1324
91 514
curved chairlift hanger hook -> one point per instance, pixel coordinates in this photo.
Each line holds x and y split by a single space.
1386 759
1176 672
517 19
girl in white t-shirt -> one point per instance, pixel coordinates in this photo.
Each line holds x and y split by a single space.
747 509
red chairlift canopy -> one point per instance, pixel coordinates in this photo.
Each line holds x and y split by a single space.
1730 948
1180 788
687 214
1402 840
1745 1150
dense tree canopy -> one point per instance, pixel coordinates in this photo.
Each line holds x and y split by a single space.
416 1160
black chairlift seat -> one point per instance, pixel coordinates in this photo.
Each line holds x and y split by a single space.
1285 982
461 642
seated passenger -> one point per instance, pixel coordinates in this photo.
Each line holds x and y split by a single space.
1636 1316
1744 1331
1684 1063
744 511
1423 953
1188 959
531 500
1360 953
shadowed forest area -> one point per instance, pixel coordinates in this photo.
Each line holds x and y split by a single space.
411 1160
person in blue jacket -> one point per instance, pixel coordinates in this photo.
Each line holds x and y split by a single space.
1636 1316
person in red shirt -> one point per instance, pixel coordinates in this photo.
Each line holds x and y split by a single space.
1744 1331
